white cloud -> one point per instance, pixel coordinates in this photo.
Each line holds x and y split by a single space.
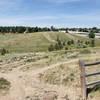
62 1
45 20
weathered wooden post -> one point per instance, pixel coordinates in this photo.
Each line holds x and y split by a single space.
83 80
84 84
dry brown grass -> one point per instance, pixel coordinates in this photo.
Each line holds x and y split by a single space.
54 75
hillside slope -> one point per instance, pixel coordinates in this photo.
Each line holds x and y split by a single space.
29 42
34 41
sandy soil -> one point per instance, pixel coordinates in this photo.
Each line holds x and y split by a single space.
27 86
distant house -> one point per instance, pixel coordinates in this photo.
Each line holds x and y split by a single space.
77 32
63 31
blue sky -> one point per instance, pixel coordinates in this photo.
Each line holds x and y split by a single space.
59 13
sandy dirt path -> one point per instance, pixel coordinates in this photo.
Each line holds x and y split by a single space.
25 84
47 36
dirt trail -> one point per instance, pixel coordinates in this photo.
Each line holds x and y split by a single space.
47 36
70 36
25 84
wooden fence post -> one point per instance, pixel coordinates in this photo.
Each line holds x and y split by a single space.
84 75
83 80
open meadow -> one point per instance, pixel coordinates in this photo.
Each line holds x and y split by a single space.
28 71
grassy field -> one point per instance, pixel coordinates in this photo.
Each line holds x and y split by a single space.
28 42
34 75
35 42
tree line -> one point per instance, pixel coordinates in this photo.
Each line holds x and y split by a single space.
23 29
94 29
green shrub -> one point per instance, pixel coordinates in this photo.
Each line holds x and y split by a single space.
51 48
96 88
69 43
87 42
66 48
3 51
4 84
72 41
58 46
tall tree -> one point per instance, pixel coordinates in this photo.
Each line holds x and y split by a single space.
92 38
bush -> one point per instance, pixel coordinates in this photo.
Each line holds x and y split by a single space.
4 84
3 51
51 48
69 42
66 48
97 88
87 42
72 41
58 46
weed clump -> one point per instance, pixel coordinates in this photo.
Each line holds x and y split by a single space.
4 84
3 51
